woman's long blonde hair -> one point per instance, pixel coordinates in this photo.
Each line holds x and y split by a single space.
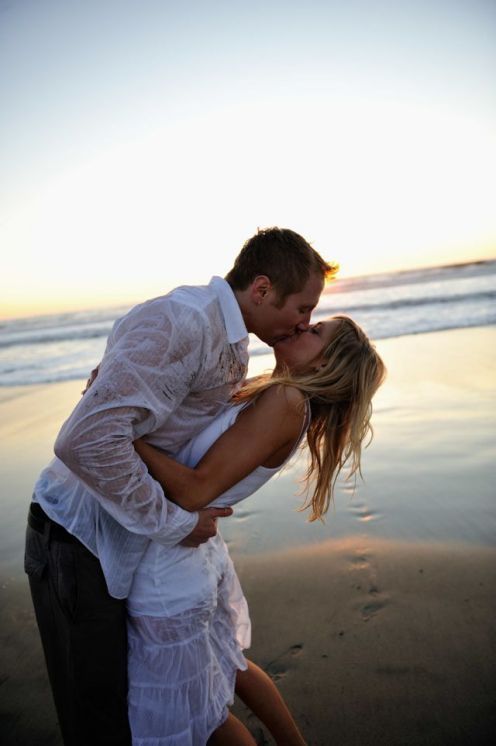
340 396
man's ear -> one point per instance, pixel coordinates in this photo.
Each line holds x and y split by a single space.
259 289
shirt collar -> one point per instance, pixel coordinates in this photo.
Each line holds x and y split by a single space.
233 319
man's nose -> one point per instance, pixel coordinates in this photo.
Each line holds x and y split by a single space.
304 325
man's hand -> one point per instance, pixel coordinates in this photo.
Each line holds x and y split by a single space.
206 526
90 380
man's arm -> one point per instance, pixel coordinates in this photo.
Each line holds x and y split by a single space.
142 379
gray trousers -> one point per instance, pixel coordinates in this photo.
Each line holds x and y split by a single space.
83 632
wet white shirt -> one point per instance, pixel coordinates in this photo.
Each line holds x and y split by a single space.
170 366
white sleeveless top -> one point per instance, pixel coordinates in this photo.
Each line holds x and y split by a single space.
191 454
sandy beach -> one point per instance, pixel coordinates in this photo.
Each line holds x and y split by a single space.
377 626
379 642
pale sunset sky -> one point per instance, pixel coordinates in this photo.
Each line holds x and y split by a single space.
142 141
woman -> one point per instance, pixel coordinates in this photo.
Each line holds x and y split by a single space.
188 619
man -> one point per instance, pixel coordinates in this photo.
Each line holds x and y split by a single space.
170 365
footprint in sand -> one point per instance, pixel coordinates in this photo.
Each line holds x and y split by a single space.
360 510
367 515
244 515
371 609
359 562
363 514
278 667
376 603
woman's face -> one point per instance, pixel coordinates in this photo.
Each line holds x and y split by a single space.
304 351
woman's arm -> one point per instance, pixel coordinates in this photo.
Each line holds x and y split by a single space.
263 434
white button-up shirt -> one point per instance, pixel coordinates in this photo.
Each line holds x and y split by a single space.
170 366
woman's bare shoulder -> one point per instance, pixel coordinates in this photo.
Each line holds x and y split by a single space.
288 400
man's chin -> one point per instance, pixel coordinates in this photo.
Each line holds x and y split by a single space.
280 338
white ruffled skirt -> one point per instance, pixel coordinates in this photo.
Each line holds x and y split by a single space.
188 623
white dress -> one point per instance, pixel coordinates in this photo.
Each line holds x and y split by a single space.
188 623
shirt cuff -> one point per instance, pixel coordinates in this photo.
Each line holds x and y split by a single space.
180 523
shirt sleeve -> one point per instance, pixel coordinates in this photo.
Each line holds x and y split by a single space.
148 368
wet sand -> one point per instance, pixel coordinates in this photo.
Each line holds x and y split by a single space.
370 642
378 626
378 642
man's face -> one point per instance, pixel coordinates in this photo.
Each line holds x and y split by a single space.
272 324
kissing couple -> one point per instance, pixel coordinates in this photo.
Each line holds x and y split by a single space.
141 615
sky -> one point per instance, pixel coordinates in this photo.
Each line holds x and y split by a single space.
142 142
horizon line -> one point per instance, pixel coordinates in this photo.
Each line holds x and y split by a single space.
329 286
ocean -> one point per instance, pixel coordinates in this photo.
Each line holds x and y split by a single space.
66 346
